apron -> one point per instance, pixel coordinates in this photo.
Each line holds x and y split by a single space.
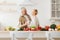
22 21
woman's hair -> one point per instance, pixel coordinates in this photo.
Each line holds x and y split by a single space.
24 9
25 14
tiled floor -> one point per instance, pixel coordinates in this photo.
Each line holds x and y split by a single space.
21 38
39 39
25 39
33 39
56 38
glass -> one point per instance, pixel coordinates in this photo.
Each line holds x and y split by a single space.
53 13
58 1
53 1
58 14
58 7
53 7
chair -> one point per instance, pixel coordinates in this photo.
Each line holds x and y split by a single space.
55 35
5 36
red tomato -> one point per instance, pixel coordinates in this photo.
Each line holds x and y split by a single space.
26 29
47 27
38 28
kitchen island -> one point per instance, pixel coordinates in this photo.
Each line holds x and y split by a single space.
29 35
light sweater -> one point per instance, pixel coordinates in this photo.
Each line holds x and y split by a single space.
34 21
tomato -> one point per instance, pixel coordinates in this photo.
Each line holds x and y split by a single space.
26 29
47 27
38 28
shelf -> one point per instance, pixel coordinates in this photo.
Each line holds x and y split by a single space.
55 3
56 19
9 4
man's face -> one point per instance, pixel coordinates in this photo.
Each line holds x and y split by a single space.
33 12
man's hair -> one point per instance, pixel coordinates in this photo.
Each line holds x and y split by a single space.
36 10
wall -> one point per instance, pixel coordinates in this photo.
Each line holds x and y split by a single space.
43 6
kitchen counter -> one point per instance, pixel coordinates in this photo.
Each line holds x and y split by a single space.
29 34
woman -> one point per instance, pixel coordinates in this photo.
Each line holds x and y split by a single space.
25 19
35 21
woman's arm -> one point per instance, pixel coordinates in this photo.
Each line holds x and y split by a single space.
19 25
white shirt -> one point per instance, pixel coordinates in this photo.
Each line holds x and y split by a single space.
34 21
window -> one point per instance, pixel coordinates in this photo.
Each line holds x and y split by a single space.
55 9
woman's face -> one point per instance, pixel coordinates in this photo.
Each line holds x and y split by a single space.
23 11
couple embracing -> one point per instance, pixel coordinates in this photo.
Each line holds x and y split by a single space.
25 20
